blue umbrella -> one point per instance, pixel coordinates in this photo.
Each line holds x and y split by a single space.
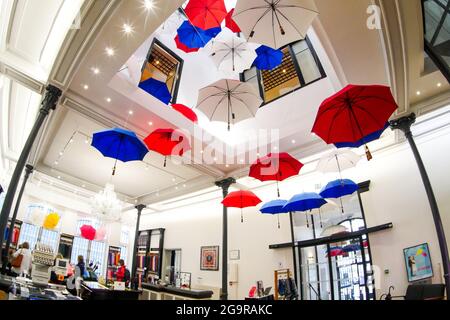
156 88
213 32
268 58
194 37
338 189
274 207
119 144
369 138
305 202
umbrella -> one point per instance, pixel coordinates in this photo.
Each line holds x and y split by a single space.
334 230
230 23
213 32
351 248
268 58
274 23
231 53
338 160
156 88
338 189
186 111
241 199
193 37
183 47
88 232
168 142
206 14
274 207
354 113
305 202
229 101
275 167
369 138
335 251
119 144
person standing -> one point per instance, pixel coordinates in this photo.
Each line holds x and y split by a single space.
123 274
21 261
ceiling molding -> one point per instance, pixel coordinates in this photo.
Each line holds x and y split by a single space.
431 104
21 78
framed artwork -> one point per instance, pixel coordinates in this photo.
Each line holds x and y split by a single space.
418 262
209 258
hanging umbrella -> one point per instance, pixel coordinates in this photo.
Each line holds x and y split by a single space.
168 142
156 88
192 37
369 138
230 23
274 207
213 32
335 251
338 189
304 202
241 199
183 47
275 167
354 113
231 53
351 248
185 111
229 101
334 230
268 58
338 160
206 14
88 232
119 144
275 23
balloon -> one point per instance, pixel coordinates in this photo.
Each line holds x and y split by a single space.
100 234
88 232
51 221
37 216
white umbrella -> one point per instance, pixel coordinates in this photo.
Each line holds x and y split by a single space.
231 53
338 160
275 23
229 101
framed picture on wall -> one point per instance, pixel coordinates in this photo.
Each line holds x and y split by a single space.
209 258
418 262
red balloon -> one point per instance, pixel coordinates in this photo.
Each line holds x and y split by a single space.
88 232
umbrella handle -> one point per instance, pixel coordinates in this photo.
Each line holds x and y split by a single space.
165 162
242 216
278 218
368 153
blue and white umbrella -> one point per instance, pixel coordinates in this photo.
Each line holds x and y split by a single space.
338 189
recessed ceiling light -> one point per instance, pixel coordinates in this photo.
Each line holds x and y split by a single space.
293 141
59 177
127 28
56 163
275 148
284 70
61 153
157 61
95 70
173 179
215 159
110 51
108 100
227 166
150 123
242 160
130 112
85 87
418 93
149 4
86 141
439 85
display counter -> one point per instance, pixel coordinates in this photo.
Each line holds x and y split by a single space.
96 291
158 292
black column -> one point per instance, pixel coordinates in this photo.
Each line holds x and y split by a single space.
139 208
225 185
291 218
48 103
28 171
404 124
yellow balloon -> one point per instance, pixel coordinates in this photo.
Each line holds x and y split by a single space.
419 252
51 221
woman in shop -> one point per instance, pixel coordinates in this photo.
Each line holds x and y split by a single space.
21 261
122 274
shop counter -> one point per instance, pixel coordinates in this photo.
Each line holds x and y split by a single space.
96 291
157 292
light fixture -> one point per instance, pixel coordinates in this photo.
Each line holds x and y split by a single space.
85 87
86 141
227 166
418 93
149 4
130 112
157 61
439 85
150 123
109 51
61 153
284 70
108 100
106 205
95 70
293 141
56 162
127 28
173 179
59 177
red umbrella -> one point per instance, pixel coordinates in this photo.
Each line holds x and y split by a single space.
241 199
168 142
354 113
230 23
186 111
183 47
275 167
206 14
88 232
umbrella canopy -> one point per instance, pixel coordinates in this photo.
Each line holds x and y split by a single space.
369 138
351 248
119 144
193 37
274 207
241 199
88 232
333 230
156 88
186 111
229 101
268 58
275 167
206 14
335 251
338 160
274 23
230 23
305 202
168 142
183 47
339 188
354 113
231 53
213 32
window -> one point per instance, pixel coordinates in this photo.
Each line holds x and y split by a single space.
29 233
97 256
80 248
300 67
50 238
125 235
123 255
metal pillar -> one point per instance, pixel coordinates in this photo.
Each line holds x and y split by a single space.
139 208
225 185
404 124
28 171
49 102
294 256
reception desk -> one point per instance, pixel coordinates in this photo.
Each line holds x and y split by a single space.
96 291
157 292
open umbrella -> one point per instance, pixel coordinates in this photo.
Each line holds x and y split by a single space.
354 113
119 144
338 160
335 251
229 101
230 23
192 36
87 232
183 47
274 207
268 58
304 202
168 142
369 138
338 189
351 248
241 199
185 111
206 14
156 88
275 23
275 167
231 53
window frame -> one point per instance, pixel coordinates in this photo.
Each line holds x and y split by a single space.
300 76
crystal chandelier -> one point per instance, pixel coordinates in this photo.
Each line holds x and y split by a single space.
105 204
